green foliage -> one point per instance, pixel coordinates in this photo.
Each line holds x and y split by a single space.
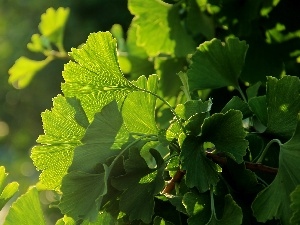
122 146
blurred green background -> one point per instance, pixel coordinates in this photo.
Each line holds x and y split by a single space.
20 120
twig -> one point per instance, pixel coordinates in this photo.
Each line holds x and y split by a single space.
222 161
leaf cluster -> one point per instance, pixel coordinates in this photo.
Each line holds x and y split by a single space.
124 146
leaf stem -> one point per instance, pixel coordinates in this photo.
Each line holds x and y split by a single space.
164 101
241 93
264 152
128 146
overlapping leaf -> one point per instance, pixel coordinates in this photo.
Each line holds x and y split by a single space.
26 210
159 28
274 201
216 64
232 214
64 127
200 171
95 77
103 138
226 132
140 185
7 191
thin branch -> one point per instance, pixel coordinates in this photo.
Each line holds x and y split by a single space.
222 161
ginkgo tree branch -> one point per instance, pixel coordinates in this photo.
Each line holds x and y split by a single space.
222 161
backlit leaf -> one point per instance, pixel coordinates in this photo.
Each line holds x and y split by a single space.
95 77
24 69
159 28
7 191
53 23
26 210
64 127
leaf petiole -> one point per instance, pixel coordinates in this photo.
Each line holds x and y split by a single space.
264 152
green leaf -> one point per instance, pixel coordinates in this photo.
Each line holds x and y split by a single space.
253 90
283 105
138 109
53 23
238 104
193 107
36 44
216 64
200 171
103 139
8 191
95 77
64 127
197 207
258 105
102 219
274 201
26 210
24 69
139 62
226 132
159 28
295 205
140 185
232 214
84 188
160 221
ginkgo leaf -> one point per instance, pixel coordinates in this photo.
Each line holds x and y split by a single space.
200 171
160 221
36 44
274 201
226 132
82 193
295 205
102 219
197 207
140 185
232 214
53 23
26 210
7 191
138 109
216 64
283 105
24 69
64 127
95 77
159 29
102 139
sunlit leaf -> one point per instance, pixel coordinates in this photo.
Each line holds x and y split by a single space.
26 210
138 108
53 23
7 191
24 69
95 77
159 28
103 138
64 126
